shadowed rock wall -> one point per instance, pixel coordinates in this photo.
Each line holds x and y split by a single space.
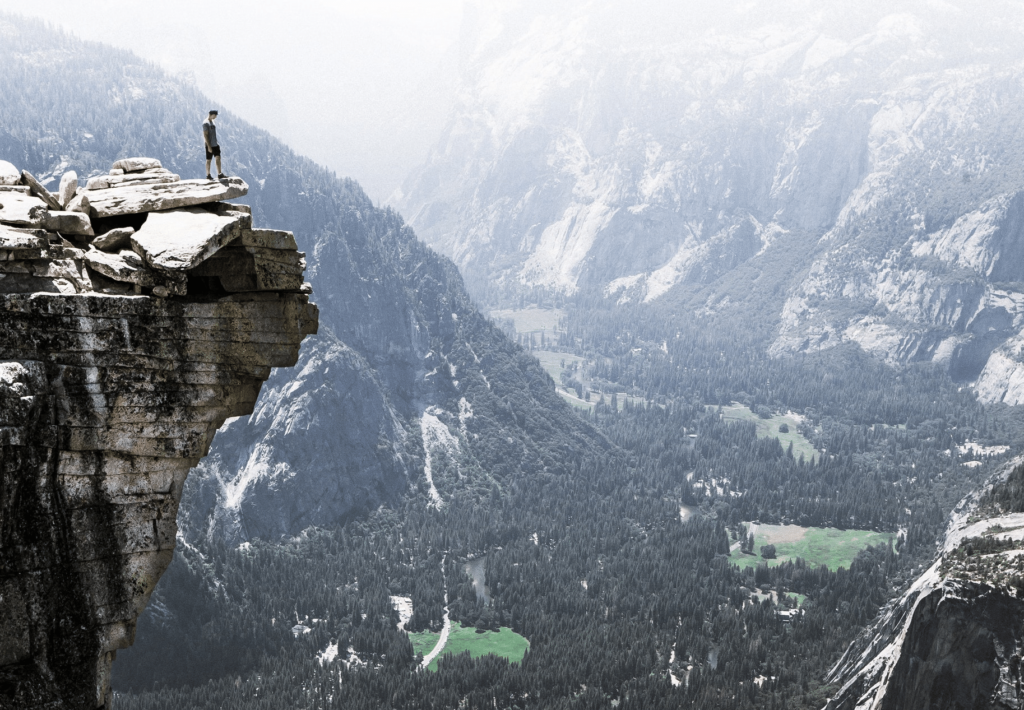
960 648
113 382
954 640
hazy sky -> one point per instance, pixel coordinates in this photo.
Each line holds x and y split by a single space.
335 79
364 86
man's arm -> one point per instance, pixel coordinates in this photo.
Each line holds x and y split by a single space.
206 137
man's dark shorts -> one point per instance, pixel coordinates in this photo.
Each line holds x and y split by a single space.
215 151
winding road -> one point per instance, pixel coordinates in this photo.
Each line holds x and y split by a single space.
446 629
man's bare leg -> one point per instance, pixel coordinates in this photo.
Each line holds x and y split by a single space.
207 168
219 170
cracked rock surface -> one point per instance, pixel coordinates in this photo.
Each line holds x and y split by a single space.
119 359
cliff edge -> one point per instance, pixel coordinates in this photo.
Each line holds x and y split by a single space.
955 638
136 315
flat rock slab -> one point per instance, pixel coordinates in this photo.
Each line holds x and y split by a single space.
18 240
178 240
127 267
115 239
105 182
135 199
116 267
222 207
131 165
269 239
68 223
21 209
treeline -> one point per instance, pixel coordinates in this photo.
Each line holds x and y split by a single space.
589 560
877 478
1007 496
716 360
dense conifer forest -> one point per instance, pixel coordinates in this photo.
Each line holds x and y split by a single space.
624 603
619 552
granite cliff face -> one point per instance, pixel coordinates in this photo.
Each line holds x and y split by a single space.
956 637
399 333
858 165
136 315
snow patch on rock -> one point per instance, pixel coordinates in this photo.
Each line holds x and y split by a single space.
437 438
403 605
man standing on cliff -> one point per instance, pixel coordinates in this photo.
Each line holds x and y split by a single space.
212 147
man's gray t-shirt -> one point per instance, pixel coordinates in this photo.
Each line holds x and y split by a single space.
210 132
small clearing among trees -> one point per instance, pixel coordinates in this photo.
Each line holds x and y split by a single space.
816 546
784 427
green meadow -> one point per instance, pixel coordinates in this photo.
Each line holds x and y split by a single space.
505 642
816 546
423 641
770 427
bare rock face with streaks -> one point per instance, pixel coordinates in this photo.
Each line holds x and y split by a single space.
127 337
956 637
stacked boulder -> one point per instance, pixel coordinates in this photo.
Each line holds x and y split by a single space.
136 315
140 229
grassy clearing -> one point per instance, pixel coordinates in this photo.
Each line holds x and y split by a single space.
536 320
505 642
759 596
816 546
570 397
423 641
531 320
552 362
770 427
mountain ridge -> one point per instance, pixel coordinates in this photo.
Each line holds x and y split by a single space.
360 258
866 155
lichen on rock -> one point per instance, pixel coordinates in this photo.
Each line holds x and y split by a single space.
116 370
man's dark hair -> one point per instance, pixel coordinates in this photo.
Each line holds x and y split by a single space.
213 113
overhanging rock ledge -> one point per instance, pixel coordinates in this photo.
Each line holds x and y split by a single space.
133 321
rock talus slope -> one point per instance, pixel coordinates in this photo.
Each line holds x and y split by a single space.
116 369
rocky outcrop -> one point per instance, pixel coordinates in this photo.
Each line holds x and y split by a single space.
959 646
116 369
956 637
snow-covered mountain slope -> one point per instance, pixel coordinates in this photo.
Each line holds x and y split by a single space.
873 148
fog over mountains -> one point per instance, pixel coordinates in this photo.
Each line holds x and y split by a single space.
865 156
334 80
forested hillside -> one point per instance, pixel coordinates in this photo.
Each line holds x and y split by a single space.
413 437
399 339
596 565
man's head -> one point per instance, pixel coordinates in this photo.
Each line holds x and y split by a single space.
213 115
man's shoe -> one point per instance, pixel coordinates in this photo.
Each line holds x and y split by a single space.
209 177
221 176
